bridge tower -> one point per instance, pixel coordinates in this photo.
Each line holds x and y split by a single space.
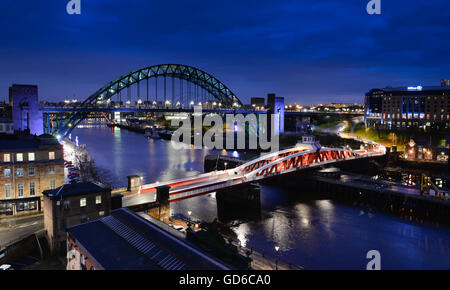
25 108
276 107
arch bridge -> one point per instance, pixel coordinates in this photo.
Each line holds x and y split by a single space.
158 88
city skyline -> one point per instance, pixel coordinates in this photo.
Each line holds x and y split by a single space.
304 51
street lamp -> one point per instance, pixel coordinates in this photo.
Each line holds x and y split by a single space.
189 218
276 259
225 165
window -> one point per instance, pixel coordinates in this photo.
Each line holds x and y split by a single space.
66 204
20 189
82 202
19 172
7 172
51 155
19 157
52 184
31 171
31 156
32 189
51 169
7 157
98 199
7 190
101 213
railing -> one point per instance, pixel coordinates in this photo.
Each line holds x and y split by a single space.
265 261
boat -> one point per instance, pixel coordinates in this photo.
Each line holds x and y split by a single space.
152 133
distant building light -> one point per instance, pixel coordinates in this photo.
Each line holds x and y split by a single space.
418 88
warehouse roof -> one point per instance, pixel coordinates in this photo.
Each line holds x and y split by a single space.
126 241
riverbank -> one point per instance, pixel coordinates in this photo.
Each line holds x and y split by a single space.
82 161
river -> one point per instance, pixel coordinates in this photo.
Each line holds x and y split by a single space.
316 234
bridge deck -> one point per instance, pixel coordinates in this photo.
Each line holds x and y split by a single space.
266 166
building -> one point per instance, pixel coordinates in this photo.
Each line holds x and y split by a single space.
70 205
257 103
405 107
29 164
6 126
445 83
127 241
25 109
276 106
420 150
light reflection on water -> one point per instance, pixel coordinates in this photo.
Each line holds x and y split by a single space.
318 234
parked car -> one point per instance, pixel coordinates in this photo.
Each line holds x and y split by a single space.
6 267
178 228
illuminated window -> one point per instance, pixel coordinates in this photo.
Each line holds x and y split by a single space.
19 157
51 155
98 199
101 213
7 172
7 157
31 156
82 202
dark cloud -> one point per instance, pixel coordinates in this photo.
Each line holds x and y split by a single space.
309 51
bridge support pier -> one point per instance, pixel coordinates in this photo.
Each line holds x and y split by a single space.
239 202
162 211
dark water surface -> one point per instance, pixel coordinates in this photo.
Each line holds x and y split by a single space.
318 234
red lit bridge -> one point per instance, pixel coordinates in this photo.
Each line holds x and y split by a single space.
300 157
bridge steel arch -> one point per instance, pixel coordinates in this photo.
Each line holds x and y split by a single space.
212 85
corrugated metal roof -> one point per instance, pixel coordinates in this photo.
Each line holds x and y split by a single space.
145 246
125 240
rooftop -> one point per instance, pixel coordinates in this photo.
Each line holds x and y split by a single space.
415 89
82 188
19 142
126 241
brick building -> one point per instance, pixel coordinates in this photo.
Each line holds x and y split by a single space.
29 164
73 204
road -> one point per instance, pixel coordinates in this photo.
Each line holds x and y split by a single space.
14 229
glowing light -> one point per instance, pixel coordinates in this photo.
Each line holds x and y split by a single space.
418 88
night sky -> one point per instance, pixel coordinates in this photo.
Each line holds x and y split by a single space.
309 51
